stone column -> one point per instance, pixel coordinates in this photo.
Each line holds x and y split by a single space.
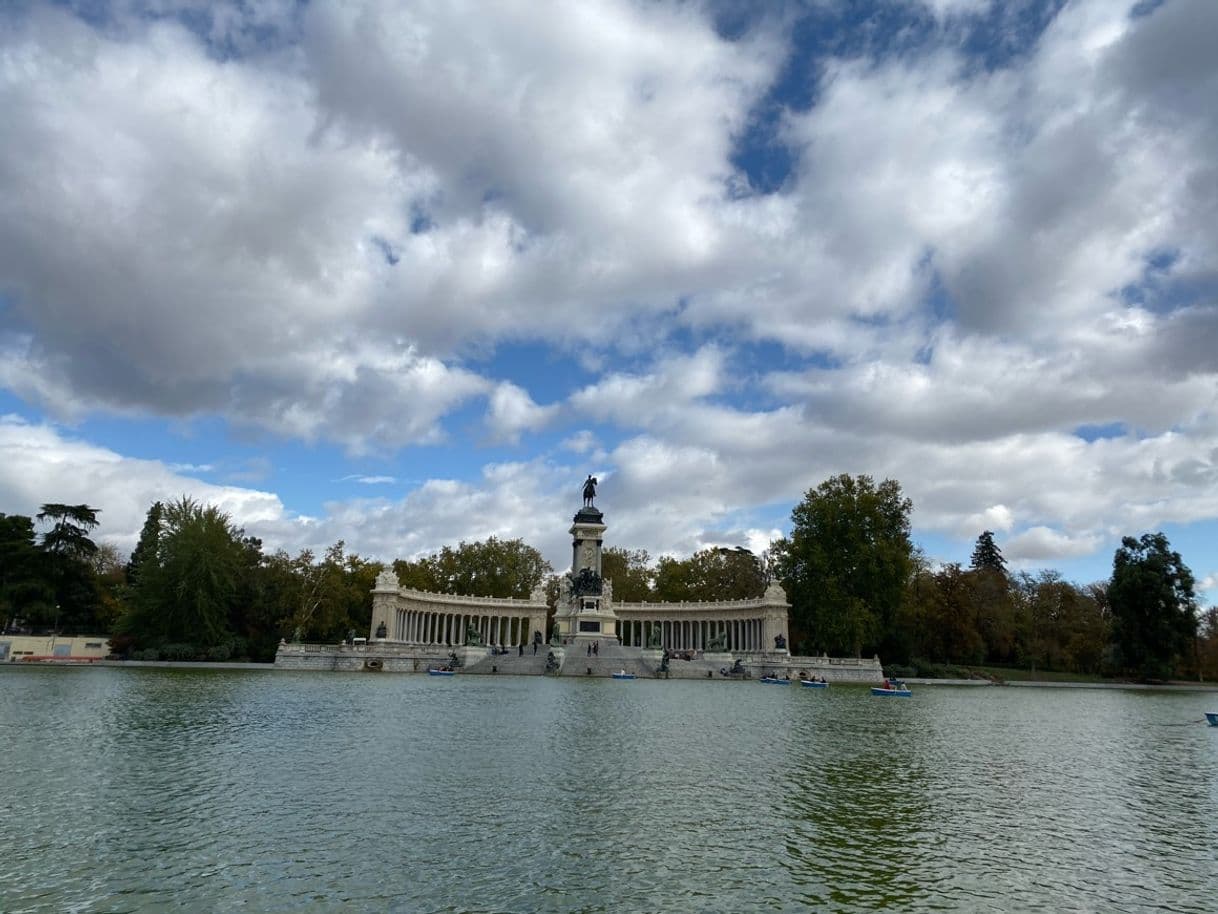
384 600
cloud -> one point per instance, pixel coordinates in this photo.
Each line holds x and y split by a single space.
40 464
1040 543
370 480
318 223
512 411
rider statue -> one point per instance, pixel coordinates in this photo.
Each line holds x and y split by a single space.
589 491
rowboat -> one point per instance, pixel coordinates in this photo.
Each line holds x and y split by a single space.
622 674
1212 717
813 684
440 672
892 693
773 680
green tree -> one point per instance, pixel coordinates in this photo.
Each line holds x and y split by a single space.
1153 606
334 596
718 573
952 630
257 614
987 555
149 541
69 533
494 568
1207 645
846 563
631 574
186 593
25 589
996 617
109 573
417 574
69 551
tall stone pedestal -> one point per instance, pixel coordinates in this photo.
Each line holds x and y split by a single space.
585 609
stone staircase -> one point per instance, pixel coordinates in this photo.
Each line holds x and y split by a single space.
509 664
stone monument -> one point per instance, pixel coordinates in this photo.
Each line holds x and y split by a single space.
585 604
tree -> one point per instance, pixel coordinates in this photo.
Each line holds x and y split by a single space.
109 574
1153 606
25 589
846 562
631 574
494 568
1207 645
69 552
150 537
987 555
185 593
69 535
952 618
718 573
334 595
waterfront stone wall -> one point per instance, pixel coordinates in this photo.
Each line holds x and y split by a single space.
392 657
379 656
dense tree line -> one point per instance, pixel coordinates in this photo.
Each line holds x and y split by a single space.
196 587
858 585
494 568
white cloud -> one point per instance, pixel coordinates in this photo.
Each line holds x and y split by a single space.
39 464
512 411
1038 544
312 238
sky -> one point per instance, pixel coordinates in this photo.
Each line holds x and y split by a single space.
405 274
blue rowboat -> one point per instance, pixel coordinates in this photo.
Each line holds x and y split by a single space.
773 680
440 672
813 684
1212 717
623 675
891 693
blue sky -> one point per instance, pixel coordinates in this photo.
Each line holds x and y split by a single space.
403 275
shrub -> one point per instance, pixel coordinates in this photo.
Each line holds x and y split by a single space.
220 652
179 651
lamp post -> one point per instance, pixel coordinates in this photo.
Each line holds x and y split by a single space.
55 630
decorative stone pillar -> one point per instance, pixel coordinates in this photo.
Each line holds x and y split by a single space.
384 602
776 608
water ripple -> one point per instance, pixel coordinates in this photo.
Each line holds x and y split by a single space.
149 790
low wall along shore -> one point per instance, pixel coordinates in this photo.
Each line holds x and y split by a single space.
572 659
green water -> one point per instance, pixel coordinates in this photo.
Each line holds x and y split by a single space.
165 790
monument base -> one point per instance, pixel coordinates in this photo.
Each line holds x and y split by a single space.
587 626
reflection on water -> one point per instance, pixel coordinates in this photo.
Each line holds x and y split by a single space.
151 790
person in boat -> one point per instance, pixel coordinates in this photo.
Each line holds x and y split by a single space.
887 684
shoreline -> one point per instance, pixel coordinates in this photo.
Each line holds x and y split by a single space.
1055 684
912 680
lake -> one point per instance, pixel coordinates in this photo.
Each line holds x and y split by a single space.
148 790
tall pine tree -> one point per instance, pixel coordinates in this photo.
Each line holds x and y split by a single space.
986 554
